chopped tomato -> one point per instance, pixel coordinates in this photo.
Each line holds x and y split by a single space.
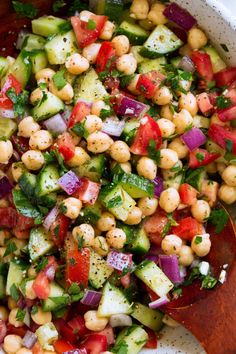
187 228
106 57
78 325
149 82
10 82
112 84
221 135
227 114
20 144
83 33
65 331
77 266
125 280
24 222
156 222
225 77
79 112
37 349
41 286
59 229
231 93
204 103
109 333
147 131
66 146
8 217
61 346
203 65
88 191
188 194
201 157
19 331
95 343
152 339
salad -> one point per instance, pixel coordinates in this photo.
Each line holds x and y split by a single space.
117 142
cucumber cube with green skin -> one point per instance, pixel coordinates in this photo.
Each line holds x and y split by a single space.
99 270
148 317
90 214
38 60
21 68
136 186
152 64
47 25
39 243
217 62
33 41
47 107
135 49
27 183
93 168
133 338
47 180
174 182
47 334
7 127
153 277
111 8
4 64
15 275
136 34
141 243
196 177
56 292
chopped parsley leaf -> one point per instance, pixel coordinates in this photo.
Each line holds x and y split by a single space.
91 25
80 130
223 102
229 145
11 247
58 4
15 293
25 10
34 310
219 218
63 209
153 153
20 315
59 80
42 264
198 240
207 281
120 348
199 156
19 101
77 5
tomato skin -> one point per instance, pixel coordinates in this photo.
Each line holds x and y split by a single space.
78 325
11 82
156 222
62 346
88 191
59 229
203 65
206 158
188 194
204 103
66 146
95 344
220 135
152 339
37 349
125 280
41 286
225 77
106 53
187 228
227 114
147 131
79 112
149 82
24 222
20 331
65 331
77 266
8 217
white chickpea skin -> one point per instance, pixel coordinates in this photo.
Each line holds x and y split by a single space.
41 317
179 147
107 31
106 222
182 121
139 9
98 142
79 158
36 96
41 140
119 151
6 151
12 343
186 256
121 45
162 96
93 322
201 210
33 160
12 319
156 15
169 200
65 94
148 205
24 351
147 167
201 245
227 194
168 159
167 128
44 75
76 64
101 246
92 123
196 38
134 216
84 232
3 313
27 127
127 64
98 106
229 175
116 238
166 112
91 51
171 244
189 102
72 207
17 170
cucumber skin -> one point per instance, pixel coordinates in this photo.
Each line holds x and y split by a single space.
47 181
129 29
135 337
48 108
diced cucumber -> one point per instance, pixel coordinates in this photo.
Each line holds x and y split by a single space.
130 130
55 292
212 147
47 107
99 270
21 68
4 64
175 61
2 287
47 25
15 274
39 243
117 200
136 34
174 182
129 230
153 277
136 186
60 47
134 338
93 168
148 317
196 177
217 62
38 60
135 51
47 334
47 180
33 41
141 243
111 8
201 122
89 87
113 301
25 282
7 127
160 42
152 64
48 200
90 214
27 182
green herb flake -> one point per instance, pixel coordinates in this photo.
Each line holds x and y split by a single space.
34 310
125 80
11 247
223 102
60 161
77 5
42 264
63 209
20 315
208 282
42 85
199 156
104 113
80 130
59 80
153 153
56 230
91 25
58 4
60 301
229 145
19 101
49 157
74 289
219 218
25 10
15 293
120 348
198 240
114 202
81 241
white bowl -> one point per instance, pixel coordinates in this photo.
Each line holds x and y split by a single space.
218 19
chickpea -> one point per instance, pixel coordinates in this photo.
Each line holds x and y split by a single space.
41 317
132 86
116 238
36 96
3 313
186 256
44 75
221 167
171 244
139 9
229 175
179 147
92 123
147 167
211 168
84 232
227 194
127 64
12 343
101 246
93 322
201 245
148 205
32 271
106 222
41 140
168 159
98 142
167 128
4 236
98 106
185 50
107 31
169 200
33 160
201 210
72 207
27 127
29 291
91 51
13 318
162 96
11 304
166 112
121 45
126 166
24 351
196 38
76 64
65 94
189 102
182 121
134 216
79 158
156 14
119 151
6 151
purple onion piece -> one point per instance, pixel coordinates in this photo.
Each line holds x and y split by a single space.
51 217
159 186
91 298
180 16
152 257
193 138
55 124
5 186
113 126
132 108
170 266
69 182
186 64
7 113
159 302
119 260
76 351
29 339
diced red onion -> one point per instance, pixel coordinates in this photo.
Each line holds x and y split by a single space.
180 16
69 182
21 303
66 114
120 320
91 298
7 113
170 266
180 33
21 37
159 302
27 317
29 339
3 330
119 260
50 272
159 186
16 155
152 257
76 351
187 64
129 107
113 126
55 124
193 138
51 217
5 186
88 103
